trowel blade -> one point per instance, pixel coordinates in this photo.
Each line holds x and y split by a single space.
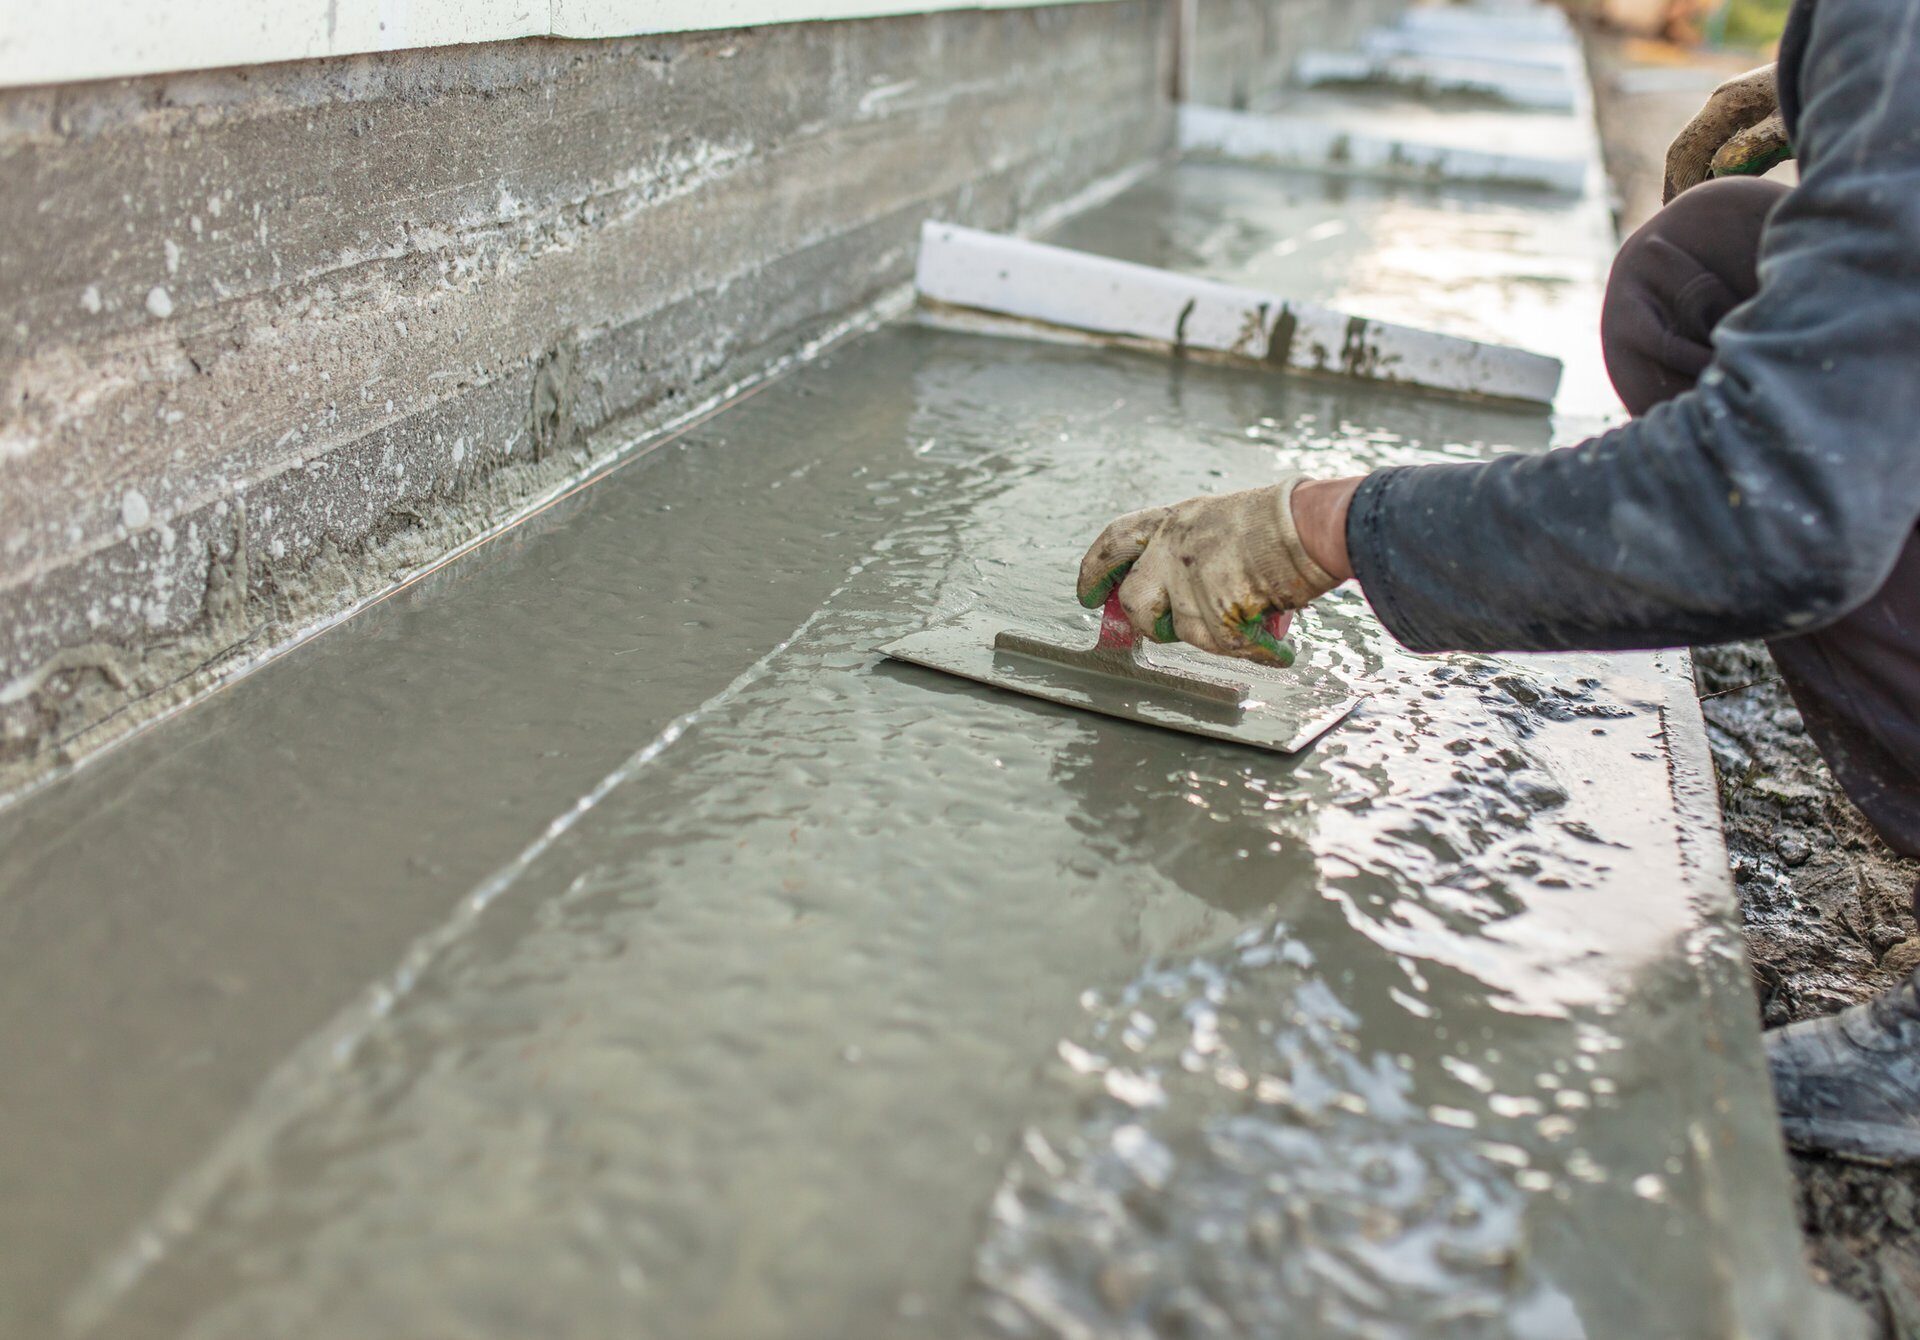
1285 710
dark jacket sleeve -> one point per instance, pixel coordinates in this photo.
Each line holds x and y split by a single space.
1771 499
1793 55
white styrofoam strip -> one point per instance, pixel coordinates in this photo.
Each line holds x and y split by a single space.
1074 290
1329 147
1546 90
112 39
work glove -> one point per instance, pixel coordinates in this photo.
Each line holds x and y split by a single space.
1740 132
1221 573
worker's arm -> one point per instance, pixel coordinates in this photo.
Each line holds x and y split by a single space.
1771 499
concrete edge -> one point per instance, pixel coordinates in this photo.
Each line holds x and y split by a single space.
126 40
1800 1308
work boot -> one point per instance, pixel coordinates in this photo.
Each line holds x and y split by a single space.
1849 1084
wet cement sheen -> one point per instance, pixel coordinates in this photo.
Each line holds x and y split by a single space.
859 1000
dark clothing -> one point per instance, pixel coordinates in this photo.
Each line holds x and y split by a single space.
1772 498
1857 680
1674 281
1793 57
1775 498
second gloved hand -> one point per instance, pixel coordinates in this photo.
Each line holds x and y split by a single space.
1208 569
1740 132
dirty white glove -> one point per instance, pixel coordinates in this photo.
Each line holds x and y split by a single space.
1221 572
1740 132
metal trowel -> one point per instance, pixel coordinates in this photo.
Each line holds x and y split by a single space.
1283 710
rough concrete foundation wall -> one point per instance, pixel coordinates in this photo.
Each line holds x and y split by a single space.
1244 50
276 334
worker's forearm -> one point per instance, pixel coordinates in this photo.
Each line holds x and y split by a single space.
1536 553
1667 532
1320 516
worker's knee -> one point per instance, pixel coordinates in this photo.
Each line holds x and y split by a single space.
1675 279
1724 207
1712 231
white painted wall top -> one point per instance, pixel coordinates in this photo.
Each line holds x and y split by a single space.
43 43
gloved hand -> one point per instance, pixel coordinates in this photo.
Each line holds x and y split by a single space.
1740 132
1209 571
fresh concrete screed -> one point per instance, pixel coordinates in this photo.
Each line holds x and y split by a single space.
278 337
513 961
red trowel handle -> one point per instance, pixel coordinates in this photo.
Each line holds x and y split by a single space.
1116 630
1266 631
1117 634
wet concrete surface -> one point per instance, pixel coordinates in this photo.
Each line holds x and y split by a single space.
601 939
762 1037
179 915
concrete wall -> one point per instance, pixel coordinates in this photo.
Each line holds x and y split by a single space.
279 335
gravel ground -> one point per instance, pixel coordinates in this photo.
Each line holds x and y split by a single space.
1826 905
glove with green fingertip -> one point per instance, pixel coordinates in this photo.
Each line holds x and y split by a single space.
1222 573
1739 133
